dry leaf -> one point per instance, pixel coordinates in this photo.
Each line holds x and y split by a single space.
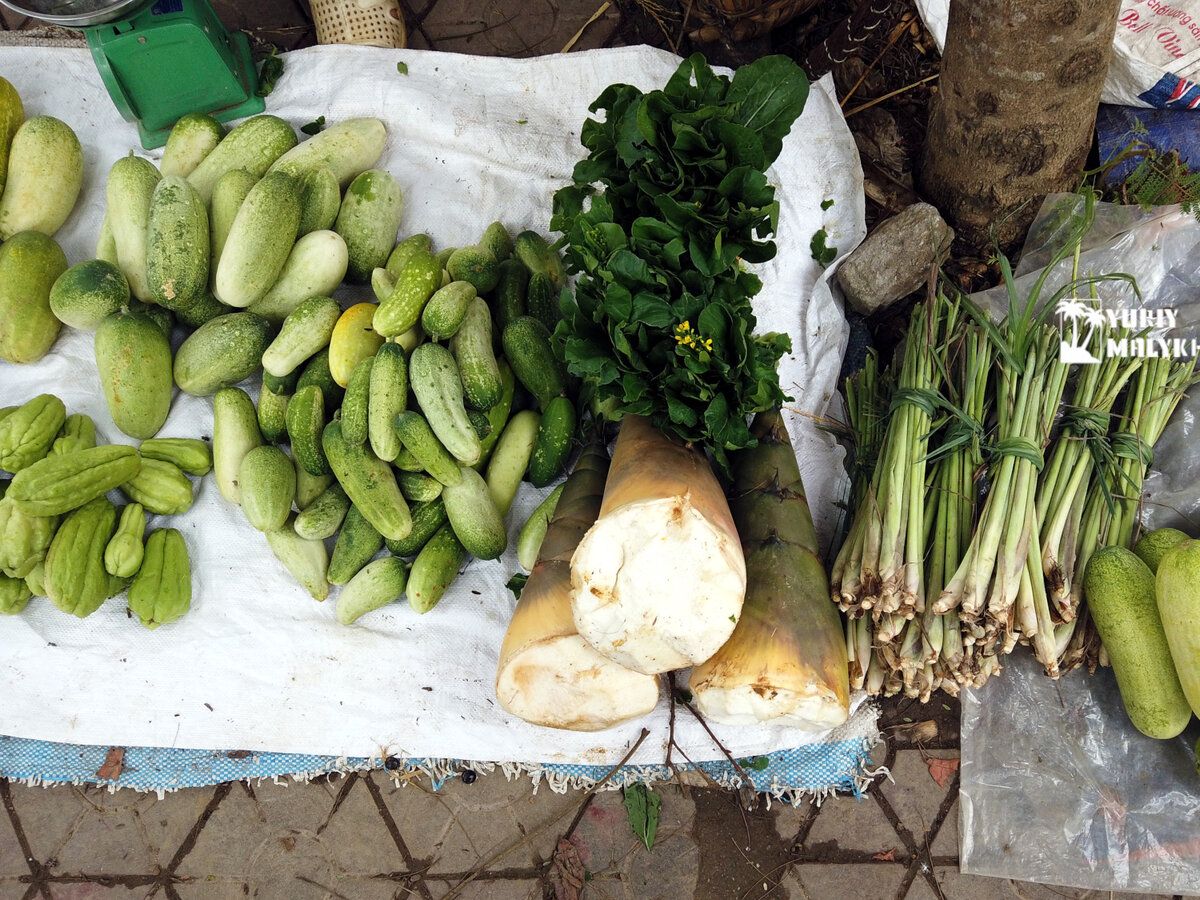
114 762
889 856
942 769
567 872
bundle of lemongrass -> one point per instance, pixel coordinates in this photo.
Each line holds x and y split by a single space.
998 469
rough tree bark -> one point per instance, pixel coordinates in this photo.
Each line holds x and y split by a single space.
1013 117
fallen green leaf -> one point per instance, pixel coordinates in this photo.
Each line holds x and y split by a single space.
268 73
517 583
314 126
402 68
642 805
822 252
825 204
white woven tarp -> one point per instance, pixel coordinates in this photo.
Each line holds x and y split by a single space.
257 664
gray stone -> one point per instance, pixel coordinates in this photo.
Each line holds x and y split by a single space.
895 258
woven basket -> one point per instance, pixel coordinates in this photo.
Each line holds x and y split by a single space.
743 20
370 23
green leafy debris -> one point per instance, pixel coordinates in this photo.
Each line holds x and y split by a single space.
516 584
315 126
822 252
755 763
664 214
269 72
402 67
642 805
826 204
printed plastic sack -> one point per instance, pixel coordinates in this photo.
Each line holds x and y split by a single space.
1156 51
1057 786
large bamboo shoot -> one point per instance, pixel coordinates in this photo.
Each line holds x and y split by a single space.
786 659
548 674
657 583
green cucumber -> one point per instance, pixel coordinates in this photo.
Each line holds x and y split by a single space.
508 299
427 519
444 312
346 148
30 263
87 292
528 349
221 352
305 420
477 521
177 245
472 350
1121 596
555 440
133 357
435 567
437 386
267 482
307 560
323 517
260 239
419 487
476 265
387 397
369 481
320 199
418 438
533 532
539 256
304 332
315 267
357 542
1179 611
316 371
235 433
403 250
193 136
228 194
128 189
510 460
254 144
401 309
368 219
355 403
497 240
375 585
272 415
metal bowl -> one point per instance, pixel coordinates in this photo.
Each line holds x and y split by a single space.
75 13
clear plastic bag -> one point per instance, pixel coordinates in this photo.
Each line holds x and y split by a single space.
1057 785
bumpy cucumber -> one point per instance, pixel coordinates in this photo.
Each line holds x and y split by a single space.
437 386
369 482
387 398
374 586
357 541
472 349
305 331
235 433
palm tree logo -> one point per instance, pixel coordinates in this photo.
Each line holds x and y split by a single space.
1073 348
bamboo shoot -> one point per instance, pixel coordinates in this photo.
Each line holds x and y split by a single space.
657 582
548 674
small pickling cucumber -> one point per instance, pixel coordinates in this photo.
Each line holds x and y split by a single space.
368 220
528 350
305 420
320 199
369 481
357 542
346 148
387 397
305 331
414 285
375 585
193 136
555 439
354 339
1179 610
418 438
437 386
323 517
474 515
355 403
267 481
306 559
235 433
446 309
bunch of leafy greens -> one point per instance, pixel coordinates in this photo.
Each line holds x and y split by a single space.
661 216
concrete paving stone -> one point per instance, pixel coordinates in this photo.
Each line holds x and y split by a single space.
514 28
101 842
853 824
11 888
228 841
47 816
213 887
945 843
606 842
91 890
166 822
358 838
488 889
821 881
788 818
911 791
667 872
461 826
12 857
296 804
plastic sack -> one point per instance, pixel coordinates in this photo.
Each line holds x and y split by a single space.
1057 785
1156 51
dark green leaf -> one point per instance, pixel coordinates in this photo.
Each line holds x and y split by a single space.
268 73
768 95
402 67
516 584
315 126
755 764
642 806
821 252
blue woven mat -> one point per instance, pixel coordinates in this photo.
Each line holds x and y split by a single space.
811 771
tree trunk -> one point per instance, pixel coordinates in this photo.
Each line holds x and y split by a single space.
1013 116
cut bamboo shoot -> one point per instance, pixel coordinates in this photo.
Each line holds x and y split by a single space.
548 674
658 582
